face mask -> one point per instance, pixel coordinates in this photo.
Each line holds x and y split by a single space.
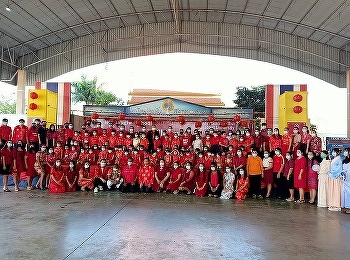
129 163
161 164
94 133
153 129
295 131
285 132
71 165
346 153
304 130
241 139
9 144
277 152
4 123
21 123
43 149
263 127
310 157
323 156
201 168
239 153
256 133
70 127
276 133
299 154
334 154
269 132
313 135
188 167
287 157
254 154
86 166
241 172
175 166
247 134
212 168
58 164
50 151
228 170
103 164
52 128
265 155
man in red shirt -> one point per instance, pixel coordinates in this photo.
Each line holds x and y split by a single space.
20 133
146 176
33 136
5 132
129 173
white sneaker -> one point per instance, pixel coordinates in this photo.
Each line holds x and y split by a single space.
100 187
95 190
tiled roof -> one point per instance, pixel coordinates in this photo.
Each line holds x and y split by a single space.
204 101
167 93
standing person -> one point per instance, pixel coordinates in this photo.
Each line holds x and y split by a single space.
8 165
161 176
268 173
275 140
188 181
129 174
42 131
146 176
86 177
287 140
57 178
19 162
40 165
201 181
29 161
255 173
278 177
334 181
228 180
312 176
51 136
315 144
175 178
215 181
151 136
288 174
296 141
71 174
345 202
33 136
5 133
325 165
242 185
20 133
305 140
300 175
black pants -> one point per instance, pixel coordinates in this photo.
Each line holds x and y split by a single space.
145 189
128 187
98 182
255 184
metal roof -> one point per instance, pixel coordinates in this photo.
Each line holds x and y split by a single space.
49 38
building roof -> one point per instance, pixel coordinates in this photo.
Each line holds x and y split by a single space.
162 93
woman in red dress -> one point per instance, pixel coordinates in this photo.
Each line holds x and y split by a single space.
19 154
57 178
29 161
7 159
300 175
201 181
188 181
161 176
40 166
175 178
287 140
86 177
215 179
71 174
242 185
312 176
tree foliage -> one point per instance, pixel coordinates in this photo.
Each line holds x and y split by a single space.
251 98
90 93
7 106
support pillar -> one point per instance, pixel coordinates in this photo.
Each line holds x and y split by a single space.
348 101
21 85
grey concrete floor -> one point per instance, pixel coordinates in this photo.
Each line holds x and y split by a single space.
112 225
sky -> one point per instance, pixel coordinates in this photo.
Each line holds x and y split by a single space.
215 74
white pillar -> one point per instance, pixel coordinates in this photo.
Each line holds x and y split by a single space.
21 84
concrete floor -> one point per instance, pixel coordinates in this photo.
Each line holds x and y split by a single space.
112 225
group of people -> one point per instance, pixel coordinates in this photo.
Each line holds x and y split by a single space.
216 162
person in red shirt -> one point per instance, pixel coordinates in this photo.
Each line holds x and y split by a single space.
201 179
223 142
248 141
214 143
215 181
100 176
146 176
99 129
20 133
33 136
7 157
57 183
69 133
129 174
275 140
186 140
94 138
86 177
5 132
175 178
239 161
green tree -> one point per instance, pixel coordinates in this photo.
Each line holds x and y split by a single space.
7 106
251 98
90 93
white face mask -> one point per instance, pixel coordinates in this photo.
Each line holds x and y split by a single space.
277 152
103 164
58 164
4 123
175 166
265 155
285 132
71 165
212 168
228 170
129 163
201 168
70 127
239 153
188 167
86 166
287 157
241 172
21 123
299 154
9 144
254 155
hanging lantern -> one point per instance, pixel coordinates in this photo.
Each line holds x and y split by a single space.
121 117
33 95
198 124
33 106
94 116
211 118
138 122
244 123
223 124
298 98
236 118
149 118
297 109
181 119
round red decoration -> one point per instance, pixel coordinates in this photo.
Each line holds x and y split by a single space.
149 118
211 119
198 124
236 118
223 124
138 122
297 109
33 106
244 123
121 117
33 95
181 119
94 116
298 98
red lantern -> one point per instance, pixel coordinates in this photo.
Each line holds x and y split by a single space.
236 118
181 119
33 95
149 118
223 124
298 98
121 117
211 118
198 124
244 123
33 106
94 116
297 109
138 122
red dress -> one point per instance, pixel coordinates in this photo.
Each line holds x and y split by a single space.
189 179
174 175
19 156
88 175
160 173
240 193
300 164
201 180
58 175
312 176
31 158
71 175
